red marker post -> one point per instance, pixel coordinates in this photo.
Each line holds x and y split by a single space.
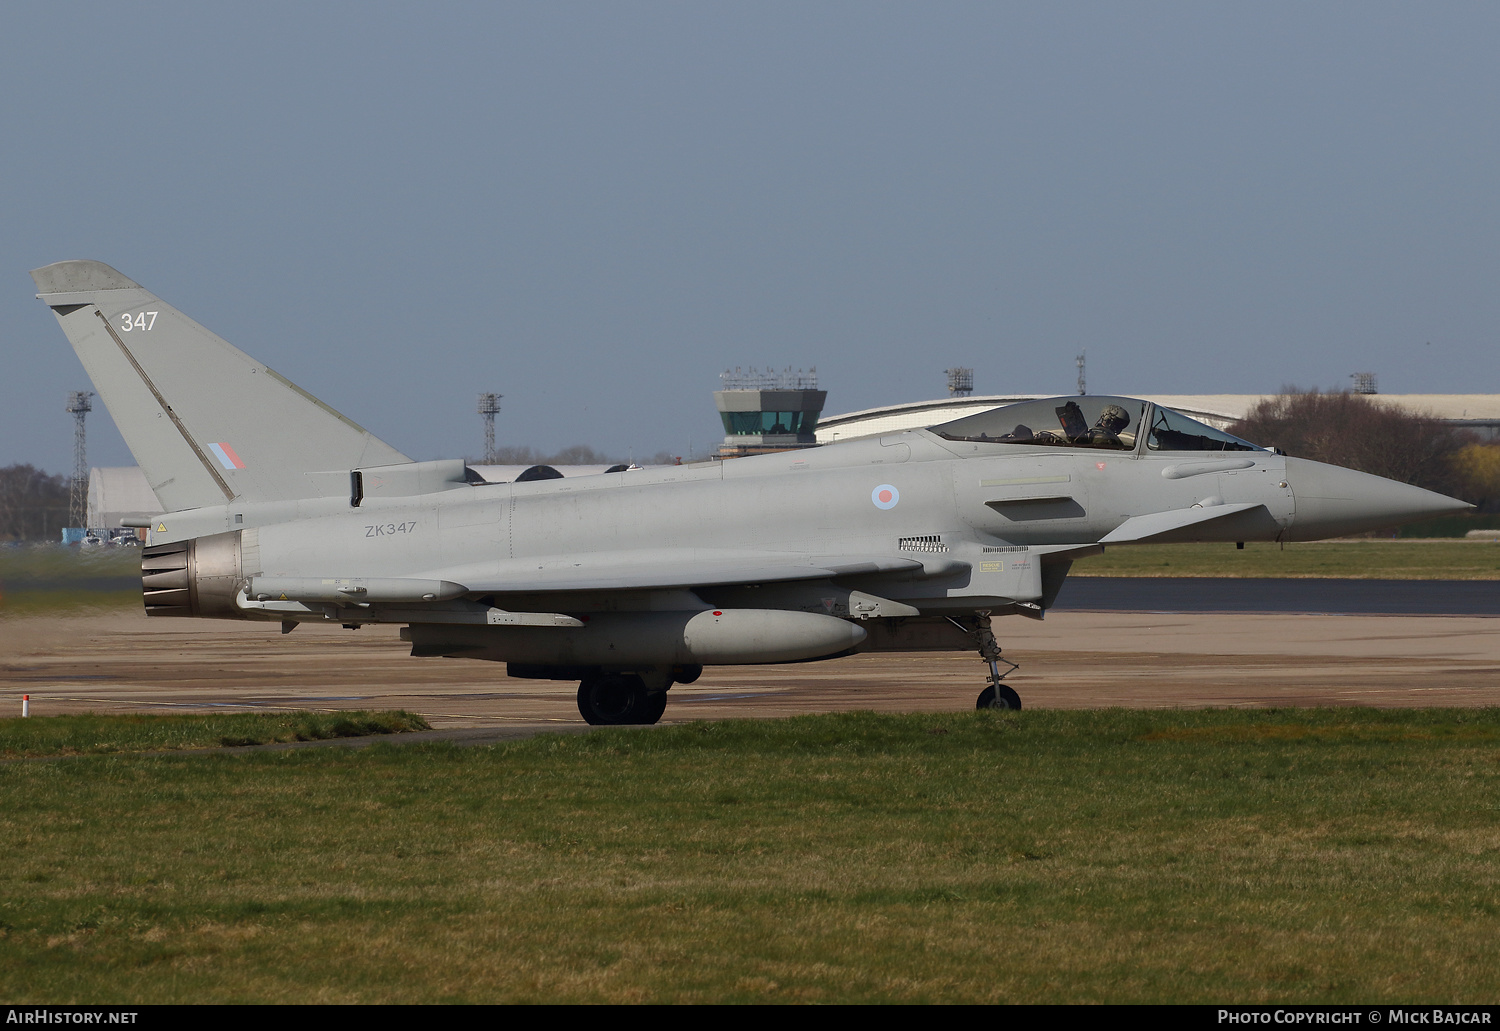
25 705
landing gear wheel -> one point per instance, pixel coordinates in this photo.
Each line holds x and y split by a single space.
997 695
1000 697
619 699
656 704
610 700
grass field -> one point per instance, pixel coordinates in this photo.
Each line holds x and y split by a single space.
88 733
1124 856
44 580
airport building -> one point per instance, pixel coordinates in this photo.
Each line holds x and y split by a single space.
765 412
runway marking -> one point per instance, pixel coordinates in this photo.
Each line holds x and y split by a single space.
725 697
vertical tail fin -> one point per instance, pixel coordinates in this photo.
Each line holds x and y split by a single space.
207 423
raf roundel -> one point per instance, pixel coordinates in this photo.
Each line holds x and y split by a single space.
885 496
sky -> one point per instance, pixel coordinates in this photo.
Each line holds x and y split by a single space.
594 209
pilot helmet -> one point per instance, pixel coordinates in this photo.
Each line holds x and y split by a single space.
1113 418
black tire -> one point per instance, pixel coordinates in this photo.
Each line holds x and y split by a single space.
1008 699
656 704
612 700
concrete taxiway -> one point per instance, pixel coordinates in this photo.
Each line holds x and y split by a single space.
1075 659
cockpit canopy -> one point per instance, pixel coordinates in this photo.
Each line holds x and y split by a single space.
1091 421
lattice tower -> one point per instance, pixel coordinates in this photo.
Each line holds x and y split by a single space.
489 404
960 381
78 404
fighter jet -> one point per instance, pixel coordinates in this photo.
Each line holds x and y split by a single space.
281 509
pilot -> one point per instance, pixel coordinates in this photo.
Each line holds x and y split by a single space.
1106 429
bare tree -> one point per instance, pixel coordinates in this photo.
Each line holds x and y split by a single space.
1359 432
1478 467
33 505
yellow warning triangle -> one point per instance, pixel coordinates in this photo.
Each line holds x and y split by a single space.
161 527
283 597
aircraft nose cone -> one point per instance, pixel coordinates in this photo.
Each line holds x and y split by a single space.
1332 501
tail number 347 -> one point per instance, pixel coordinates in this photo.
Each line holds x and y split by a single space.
142 320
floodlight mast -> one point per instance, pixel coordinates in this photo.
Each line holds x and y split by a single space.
79 405
489 404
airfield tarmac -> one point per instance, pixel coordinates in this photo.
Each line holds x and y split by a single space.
121 662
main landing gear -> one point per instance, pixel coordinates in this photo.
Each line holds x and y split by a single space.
619 699
629 699
997 695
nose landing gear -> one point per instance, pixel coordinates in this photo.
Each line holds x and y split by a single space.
998 695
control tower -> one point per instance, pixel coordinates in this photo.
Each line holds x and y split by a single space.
768 411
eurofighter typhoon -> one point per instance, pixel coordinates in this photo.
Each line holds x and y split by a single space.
281 509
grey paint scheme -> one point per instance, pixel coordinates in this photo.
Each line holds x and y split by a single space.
209 386
762 559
